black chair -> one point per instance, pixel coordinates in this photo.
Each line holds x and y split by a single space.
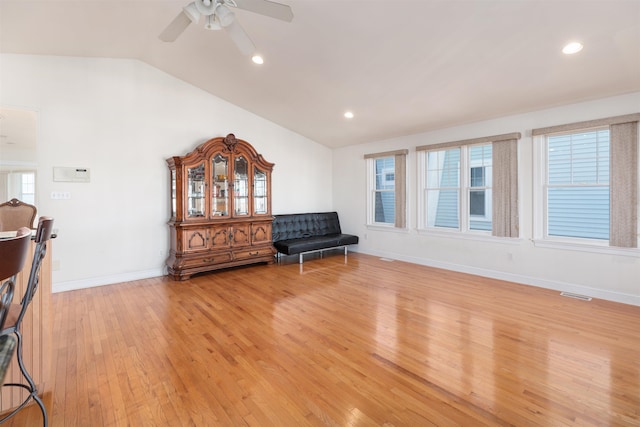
16 315
7 345
13 253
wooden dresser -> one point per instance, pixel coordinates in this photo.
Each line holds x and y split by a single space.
220 208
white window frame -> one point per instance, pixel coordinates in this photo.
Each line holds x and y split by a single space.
16 186
28 187
464 192
371 192
487 205
488 201
399 185
540 187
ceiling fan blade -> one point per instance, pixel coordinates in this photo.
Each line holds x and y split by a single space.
180 23
240 38
267 8
175 28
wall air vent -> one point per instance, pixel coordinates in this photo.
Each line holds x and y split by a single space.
576 296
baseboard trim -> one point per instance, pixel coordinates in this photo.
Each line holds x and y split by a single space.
499 275
516 278
73 285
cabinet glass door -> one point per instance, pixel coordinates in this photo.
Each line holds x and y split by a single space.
259 192
173 193
195 191
240 186
220 187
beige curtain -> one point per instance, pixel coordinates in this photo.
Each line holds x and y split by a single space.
401 190
624 185
505 189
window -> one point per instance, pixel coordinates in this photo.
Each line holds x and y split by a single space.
477 198
577 185
386 188
444 172
384 209
480 179
443 188
586 182
18 184
470 185
28 193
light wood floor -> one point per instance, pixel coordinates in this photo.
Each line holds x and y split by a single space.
335 343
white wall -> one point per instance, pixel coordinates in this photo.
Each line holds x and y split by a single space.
121 119
602 275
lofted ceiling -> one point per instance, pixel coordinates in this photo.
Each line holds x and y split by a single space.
402 66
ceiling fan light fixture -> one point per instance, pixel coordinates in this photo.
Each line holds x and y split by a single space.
204 7
212 23
257 59
225 16
220 16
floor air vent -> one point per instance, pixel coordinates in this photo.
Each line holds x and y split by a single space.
576 296
386 259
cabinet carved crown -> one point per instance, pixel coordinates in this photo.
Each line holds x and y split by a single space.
230 142
220 207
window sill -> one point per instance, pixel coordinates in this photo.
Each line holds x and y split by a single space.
391 228
582 247
480 237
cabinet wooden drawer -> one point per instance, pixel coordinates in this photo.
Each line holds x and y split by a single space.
252 253
202 260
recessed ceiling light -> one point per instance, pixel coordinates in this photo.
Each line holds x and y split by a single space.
257 59
571 48
348 115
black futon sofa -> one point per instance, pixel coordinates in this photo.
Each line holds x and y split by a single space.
309 232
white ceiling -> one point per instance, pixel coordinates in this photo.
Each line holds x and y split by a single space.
402 66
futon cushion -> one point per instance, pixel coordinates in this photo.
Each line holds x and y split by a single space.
294 226
295 246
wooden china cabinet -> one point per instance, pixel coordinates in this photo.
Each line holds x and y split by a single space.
220 208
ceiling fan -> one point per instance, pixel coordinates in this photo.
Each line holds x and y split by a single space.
219 16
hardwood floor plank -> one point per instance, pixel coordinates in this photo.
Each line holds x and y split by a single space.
335 343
